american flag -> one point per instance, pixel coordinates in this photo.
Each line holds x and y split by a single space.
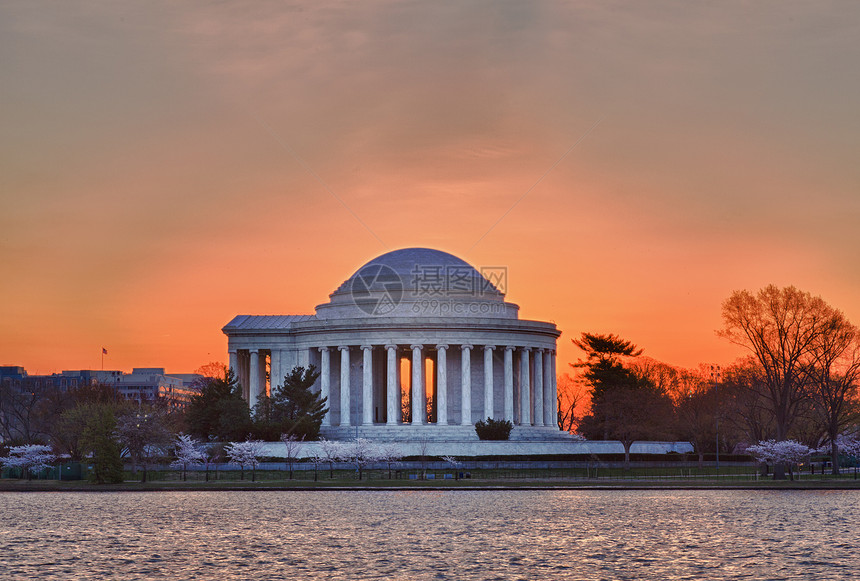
104 351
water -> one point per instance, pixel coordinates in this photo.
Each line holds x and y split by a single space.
468 535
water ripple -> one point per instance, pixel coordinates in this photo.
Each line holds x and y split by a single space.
470 535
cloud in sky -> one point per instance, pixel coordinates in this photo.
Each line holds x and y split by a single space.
157 163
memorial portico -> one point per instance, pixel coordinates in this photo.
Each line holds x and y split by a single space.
417 344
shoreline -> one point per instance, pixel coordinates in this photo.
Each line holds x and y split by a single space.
340 486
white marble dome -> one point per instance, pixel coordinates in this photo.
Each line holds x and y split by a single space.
418 282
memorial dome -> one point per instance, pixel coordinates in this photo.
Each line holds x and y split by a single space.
417 267
419 282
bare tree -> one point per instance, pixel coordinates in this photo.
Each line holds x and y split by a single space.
406 406
213 370
779 327
316 459
833 373
423 445
20 410
572 394
743 403
694 395
144 434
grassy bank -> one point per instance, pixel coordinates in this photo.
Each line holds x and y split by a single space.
415 480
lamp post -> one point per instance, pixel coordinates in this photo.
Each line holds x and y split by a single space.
715 376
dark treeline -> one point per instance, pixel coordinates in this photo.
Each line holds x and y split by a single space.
800 382
93 422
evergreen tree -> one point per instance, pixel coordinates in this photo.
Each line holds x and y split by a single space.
219 410
98 440
624 405
603 366
293 409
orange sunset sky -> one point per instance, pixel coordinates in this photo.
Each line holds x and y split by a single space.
165 166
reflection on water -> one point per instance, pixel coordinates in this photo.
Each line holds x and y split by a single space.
430 535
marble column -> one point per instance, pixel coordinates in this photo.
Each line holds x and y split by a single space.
538 388
254 378
442 385
244 376
262 369
419 411
367 385
234 362
276 377
392 395
509 383
325 382
466 385
303 358
345 407
288 359
554 390
488 382
549 398
525 388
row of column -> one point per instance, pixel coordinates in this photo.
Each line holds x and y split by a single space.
250 366
250 369
542 392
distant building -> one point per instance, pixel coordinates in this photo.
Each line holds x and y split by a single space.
143 384
152 383
11 372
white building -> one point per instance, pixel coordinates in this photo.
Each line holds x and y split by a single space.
417 344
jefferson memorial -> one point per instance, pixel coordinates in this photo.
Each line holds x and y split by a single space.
416 345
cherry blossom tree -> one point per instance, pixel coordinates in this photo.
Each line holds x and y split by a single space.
188 451
332 451
389 452
454 464
360 452
316 459
292 443
849 444
28 458
213 452
245 453
783 452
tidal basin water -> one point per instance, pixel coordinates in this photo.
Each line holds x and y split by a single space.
468 535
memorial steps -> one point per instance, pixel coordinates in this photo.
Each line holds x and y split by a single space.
435 433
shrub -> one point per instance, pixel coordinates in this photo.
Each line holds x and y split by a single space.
491 429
